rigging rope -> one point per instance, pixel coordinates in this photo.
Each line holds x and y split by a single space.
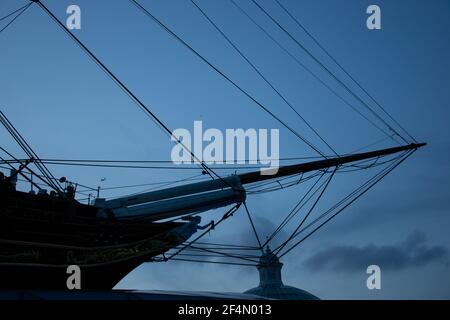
378 179
253 225
353 193
212 225
169 161
125 89
310 54
225 254
51 181
302 65
294 210
216 262
218 246
258 103
22 173
22 10
252 65
309 212
15 11
343 69
174 167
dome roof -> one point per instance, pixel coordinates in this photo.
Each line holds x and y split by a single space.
271 285
282 293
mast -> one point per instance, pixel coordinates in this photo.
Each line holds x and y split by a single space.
322 164
212 194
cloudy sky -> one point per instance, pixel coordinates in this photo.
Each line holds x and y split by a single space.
67 108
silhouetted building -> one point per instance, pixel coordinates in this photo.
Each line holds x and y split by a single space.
270 283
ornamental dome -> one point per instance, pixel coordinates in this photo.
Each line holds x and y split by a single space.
270 283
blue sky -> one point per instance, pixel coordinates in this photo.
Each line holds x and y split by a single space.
67 108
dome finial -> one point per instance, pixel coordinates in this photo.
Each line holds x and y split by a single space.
270 282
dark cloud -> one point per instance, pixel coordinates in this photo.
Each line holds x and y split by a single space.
419 208
412 252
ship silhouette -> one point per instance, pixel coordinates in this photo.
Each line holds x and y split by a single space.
42 233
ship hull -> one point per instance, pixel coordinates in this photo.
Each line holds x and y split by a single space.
35 277
41 236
